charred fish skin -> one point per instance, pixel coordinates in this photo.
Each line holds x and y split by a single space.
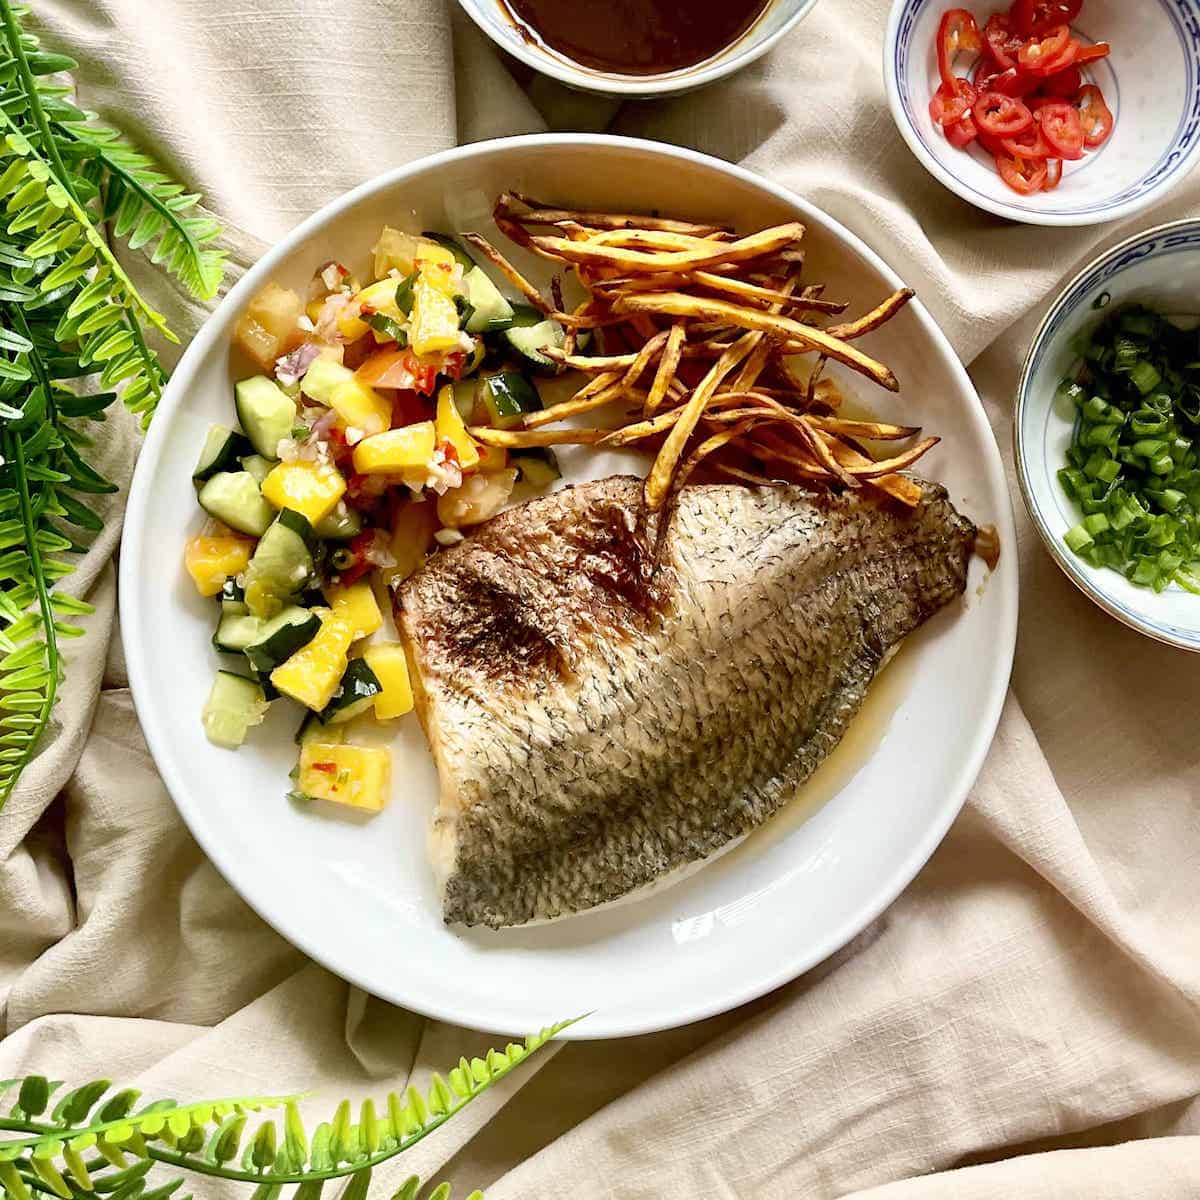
606 707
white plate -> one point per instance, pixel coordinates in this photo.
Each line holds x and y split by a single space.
358 897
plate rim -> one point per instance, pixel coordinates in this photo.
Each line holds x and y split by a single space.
442 1007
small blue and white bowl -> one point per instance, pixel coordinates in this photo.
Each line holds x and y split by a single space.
1151 82
1161 269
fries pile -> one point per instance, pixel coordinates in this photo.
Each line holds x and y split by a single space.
700 333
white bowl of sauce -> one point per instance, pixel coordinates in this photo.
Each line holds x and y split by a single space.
636 47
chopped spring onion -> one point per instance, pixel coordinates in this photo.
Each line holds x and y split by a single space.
1133 466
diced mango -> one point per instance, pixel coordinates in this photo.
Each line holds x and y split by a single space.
434 324
268 328
437 265
357 604
390 665
450 428
380 297
394 250
357 776
309 488
350 325
361 407
212 560
398 450
313 673
412 537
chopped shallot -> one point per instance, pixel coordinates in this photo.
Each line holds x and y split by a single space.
291 367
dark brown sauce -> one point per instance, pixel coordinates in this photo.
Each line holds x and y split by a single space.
636 37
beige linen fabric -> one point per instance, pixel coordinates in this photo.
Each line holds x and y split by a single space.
1024 1021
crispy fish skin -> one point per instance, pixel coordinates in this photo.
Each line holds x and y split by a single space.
605 708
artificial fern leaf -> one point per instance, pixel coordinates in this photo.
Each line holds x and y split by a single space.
149 208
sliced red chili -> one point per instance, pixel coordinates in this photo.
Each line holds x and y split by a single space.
951 102
1030 144
1014 83
1023 175
1054 169
993 145
1032 17
1064 84
957 31
328 767
1062 129
1001 41
962 133
1088 54
1049 53
424 374
1094 116
1000 115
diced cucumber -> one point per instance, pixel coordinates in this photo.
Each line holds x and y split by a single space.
339 525
465 393
507 396
233 706
323 378
280 637
313 729
492 312
232 598
220 453
235 631
355 694
258 466
528 343
537 465
461 257
266 412
234 497
281 565
525 316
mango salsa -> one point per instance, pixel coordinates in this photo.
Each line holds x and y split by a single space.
357 604
357 776
434 325
390 665
412 537
313 673
212 560
451 428
402 251
361 407
406 449
309 488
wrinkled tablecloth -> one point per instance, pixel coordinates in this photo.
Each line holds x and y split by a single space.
1023 1021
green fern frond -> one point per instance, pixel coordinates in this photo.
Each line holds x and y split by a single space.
88 1146
154 214
71 339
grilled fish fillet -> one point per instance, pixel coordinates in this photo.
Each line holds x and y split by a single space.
606 708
